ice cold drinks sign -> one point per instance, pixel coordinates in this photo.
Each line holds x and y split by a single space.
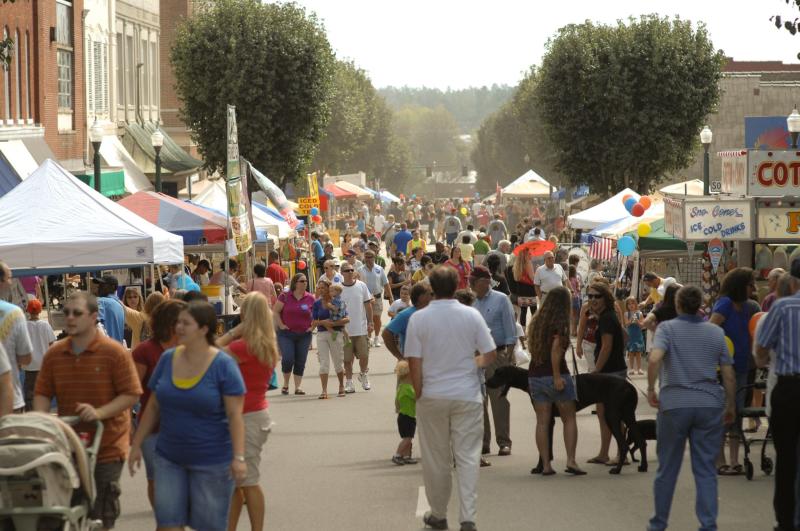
726 220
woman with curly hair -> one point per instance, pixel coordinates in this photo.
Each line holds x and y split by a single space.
549 379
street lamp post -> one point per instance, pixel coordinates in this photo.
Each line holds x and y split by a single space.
706 136
157 140
96 137
793 124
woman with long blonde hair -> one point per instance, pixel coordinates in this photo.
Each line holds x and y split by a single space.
522 271
254 346
549 380
137 312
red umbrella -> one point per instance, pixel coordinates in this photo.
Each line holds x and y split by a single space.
535 247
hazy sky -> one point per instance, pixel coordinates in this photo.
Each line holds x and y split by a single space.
460 43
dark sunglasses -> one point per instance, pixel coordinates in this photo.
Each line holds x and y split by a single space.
593 296
347 270
76 313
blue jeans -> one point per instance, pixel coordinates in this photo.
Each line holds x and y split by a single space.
197 495
294 351
703 428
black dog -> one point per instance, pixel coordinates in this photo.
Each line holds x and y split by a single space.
617 395
647 432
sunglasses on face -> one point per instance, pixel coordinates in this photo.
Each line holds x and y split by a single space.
591 296
76 313
347 270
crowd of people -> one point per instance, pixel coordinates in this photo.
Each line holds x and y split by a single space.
192 405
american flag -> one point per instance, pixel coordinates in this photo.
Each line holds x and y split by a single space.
601 249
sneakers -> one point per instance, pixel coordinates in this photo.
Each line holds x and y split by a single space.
398 460
364 379
468 526
349 387
377 342
410 461
435 523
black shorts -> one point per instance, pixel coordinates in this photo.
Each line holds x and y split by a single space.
406 426
106 503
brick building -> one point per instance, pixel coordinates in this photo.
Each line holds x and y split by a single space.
749 88
42 98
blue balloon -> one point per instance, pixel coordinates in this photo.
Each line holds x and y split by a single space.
629 203
626 245
314 211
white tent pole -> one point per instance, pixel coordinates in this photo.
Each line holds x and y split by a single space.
47 299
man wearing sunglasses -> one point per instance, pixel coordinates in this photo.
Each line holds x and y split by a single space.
88 356
357 297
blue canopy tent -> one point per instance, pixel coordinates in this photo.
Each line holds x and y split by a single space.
261 235
389 197
275 214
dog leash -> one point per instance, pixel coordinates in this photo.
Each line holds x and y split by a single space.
627 377
575 367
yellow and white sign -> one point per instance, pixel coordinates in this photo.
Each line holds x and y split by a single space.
779 223
306 204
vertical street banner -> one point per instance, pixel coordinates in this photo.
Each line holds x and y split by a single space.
313 185
238 217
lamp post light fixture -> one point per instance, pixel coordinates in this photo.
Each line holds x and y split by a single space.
793 124
157 140
96 138
706 136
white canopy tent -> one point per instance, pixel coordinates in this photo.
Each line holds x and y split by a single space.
529 176
529 185
215 196
690 187
52 222
608 211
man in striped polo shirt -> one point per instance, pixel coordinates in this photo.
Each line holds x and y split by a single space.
691 405
780 332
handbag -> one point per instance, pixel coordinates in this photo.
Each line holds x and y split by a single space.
575 371
273 382
521 356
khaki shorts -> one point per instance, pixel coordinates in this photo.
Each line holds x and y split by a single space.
106 503
377 304
358 347
257 426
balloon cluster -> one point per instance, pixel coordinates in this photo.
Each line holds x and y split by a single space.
634 207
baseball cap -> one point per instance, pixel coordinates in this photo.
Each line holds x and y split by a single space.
110 280
373 244
351 252
480 272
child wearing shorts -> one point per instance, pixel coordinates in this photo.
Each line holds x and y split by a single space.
633 322
338 310
405 404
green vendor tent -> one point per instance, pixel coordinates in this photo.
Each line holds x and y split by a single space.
660 240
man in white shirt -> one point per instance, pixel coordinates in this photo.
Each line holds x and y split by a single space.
549 276
358 299
378 222
470 231
375 278
6 386
441 342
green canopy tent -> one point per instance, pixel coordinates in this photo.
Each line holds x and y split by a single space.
660 240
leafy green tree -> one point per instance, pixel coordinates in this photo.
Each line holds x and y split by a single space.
274 63
622 105
431 135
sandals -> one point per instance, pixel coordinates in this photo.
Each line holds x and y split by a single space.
323 396
575 471
727 470
341 393
284 390
299 392
598 461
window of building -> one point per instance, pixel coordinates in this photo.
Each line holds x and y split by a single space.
145 72
28 90
154 73
97 81
6 85
64 22
18 77
64 80
129 70
120 70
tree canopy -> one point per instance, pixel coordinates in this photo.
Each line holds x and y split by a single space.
622 105
274 63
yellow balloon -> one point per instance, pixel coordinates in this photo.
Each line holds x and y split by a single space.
730 345
463 211
644 229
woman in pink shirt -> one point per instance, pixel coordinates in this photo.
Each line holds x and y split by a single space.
262 284
293 318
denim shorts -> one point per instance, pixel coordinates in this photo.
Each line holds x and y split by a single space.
149 455
198 496
543 390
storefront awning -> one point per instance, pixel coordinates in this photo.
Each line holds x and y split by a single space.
38 148
18 157
112 181
114 154
173 158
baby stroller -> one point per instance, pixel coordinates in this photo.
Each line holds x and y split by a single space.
46 474
749 412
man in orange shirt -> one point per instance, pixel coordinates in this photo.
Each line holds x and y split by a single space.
92 376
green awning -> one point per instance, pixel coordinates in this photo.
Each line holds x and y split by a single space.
173 158
112 182
660 240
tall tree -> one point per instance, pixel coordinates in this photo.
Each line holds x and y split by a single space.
622 105
274 62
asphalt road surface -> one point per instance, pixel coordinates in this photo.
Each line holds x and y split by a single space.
326 466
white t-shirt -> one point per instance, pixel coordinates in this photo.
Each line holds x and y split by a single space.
5 366
354 297
14 337
472 237
378 222
41 335
548 279
445 335
398 305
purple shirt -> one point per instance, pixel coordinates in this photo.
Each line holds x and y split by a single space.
296 313
29 283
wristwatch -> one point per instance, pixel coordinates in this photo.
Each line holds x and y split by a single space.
239 458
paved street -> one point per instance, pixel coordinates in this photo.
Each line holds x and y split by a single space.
326 466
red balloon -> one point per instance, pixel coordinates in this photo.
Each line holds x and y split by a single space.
316 219
301 265
637 210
